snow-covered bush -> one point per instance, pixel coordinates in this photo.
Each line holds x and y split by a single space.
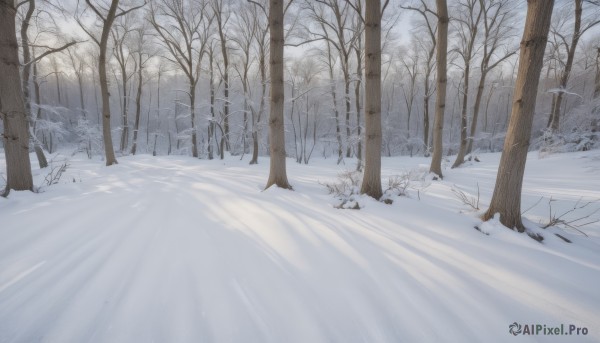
89 138
346 189
397 186
578 131
576 140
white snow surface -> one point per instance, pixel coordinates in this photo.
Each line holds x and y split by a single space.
175 249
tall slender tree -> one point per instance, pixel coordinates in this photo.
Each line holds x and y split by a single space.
440 101
183 27
221 15
107 18
579 29
371 184
261 36
506 199
121 34
142 55
428 45
496 32
469 15
12 106
277 168
26 76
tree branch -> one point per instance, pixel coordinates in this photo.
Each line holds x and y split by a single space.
130 10
51 51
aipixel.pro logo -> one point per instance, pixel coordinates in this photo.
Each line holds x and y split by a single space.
516 329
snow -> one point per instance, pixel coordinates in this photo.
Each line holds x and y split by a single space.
175 249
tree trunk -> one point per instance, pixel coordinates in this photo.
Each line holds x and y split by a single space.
261 109
347 101
460 157
440 102
555 117
125 121
597 78
426 145
138 104
211 125
157 111
476 107
39 152
506 199
371 184
338 133
226 94
357 101
224 53
594 122
277 170
108 144
12 107
193 118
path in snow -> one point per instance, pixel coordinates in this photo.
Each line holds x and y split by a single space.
181 250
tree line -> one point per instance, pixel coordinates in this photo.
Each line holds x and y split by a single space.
348 84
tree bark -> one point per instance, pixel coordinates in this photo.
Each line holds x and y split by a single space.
12 106
357 86
472 24
371 184
224 53
138 104
277 170
440 102
193 119
506 199
211 125
564 79
39 152
476 107
594 122
263 82
108 143
597 78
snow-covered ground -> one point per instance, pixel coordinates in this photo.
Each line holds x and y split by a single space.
175 249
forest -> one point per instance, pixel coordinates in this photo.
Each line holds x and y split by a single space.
191 77
468 127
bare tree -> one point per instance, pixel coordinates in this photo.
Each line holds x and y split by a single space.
594 121
468 18
79 66
277 170
506 199
183 27
497 29
440 102
26 76
371 184
142 57
12 106
106 15
427 44
579 29
121 34
597 78
221 15
260 37
245 30
246 27
357 46
210 51
410 64
334 18
330 61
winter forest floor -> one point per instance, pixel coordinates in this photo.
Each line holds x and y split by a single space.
175 249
